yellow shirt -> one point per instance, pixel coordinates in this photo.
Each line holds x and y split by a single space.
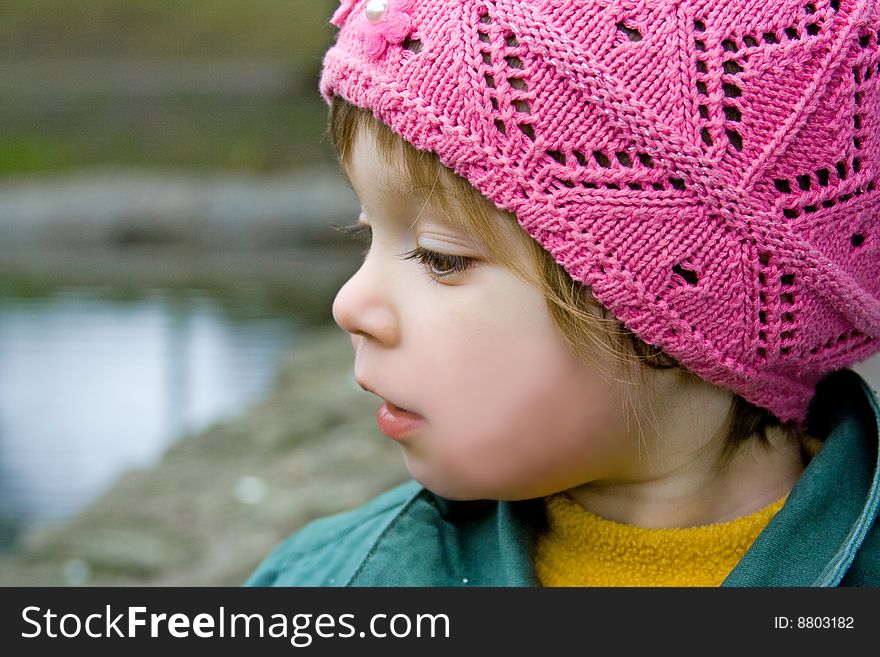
579 548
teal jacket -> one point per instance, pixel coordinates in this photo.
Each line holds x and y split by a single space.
826 534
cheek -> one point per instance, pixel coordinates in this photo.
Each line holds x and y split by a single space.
543 443
514 413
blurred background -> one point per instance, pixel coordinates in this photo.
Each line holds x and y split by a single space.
174 396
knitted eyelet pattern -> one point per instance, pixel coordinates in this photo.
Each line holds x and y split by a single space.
708 167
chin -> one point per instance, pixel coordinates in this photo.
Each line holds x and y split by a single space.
454 493
459 492
460 489
444 487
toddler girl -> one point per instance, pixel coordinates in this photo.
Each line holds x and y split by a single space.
621 254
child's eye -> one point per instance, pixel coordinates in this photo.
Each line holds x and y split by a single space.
440 265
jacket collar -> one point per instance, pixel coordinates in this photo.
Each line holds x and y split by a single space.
814 538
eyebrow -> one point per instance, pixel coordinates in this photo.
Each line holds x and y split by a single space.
387 186
401 185
395 188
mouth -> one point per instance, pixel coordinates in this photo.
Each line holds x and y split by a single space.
391 405
398 423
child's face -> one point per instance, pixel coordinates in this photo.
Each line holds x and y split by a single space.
510 411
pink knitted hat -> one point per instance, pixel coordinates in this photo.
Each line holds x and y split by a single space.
708 167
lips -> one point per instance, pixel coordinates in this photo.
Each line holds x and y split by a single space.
397 423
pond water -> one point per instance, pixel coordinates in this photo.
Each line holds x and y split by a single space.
91 385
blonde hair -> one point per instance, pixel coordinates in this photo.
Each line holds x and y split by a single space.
591 331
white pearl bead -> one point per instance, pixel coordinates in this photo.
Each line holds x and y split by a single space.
376 10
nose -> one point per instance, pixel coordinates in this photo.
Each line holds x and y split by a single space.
363 305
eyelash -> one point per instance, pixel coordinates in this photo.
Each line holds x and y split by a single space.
430 259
